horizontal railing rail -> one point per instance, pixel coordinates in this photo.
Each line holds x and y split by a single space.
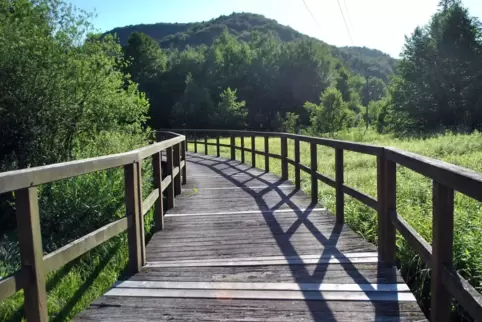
447 178
34 265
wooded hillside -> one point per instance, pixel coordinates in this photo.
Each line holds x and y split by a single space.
360 60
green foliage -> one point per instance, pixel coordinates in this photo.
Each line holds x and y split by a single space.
247 27
439 81
64 96
231 113
290 123
331 115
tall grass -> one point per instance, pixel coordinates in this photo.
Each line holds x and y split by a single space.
414 197
72 208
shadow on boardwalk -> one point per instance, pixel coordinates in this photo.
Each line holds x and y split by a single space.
299 272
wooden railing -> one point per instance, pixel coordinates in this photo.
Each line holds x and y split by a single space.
35 265
447 178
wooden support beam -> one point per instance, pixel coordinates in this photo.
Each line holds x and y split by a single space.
442 244
176 164
387 204
253 151
218 152
141 215
31 254
297 164
314 168
339 179
183 158
170 173
206 145
242 149
232 146
133 211
284 158
266 153
195 143
158 207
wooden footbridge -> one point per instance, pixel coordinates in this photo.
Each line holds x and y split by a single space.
234 242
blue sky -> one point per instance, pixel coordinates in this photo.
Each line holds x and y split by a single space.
380 24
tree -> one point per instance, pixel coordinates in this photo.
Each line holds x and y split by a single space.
331 115
230 113
439 74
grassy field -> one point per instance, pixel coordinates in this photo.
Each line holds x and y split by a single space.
414 193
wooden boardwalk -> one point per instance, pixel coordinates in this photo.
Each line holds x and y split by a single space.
241 244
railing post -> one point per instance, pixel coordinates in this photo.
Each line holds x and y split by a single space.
141 217
442 244
31 254
133 211
158 206
187 145
233 150
266 153
314 169
205 145
170 172
297 164
340 197
183 158
218 152
242 149
284 158
177 164
195 142
387 204
253 151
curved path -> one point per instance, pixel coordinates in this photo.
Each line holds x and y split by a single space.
241 244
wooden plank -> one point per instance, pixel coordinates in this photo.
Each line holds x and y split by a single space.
176 172
413 238
31 253
461 179
340 196
244 212
19 179
183 162
442 243
266 153
360 196
305 168
166 182
350 287
149 201
170 193
218 151
266 295
195 143
232 145
242 149
149 150
206 145
13 283
314 168
325 179
71 251
158 185
284 156
253 151
142 235
387 192
297 261
297 162
467 296
133 217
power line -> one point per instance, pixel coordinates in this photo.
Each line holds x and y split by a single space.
344 20
312 16
348 16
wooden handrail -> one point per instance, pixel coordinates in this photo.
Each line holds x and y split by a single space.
31 276
447 178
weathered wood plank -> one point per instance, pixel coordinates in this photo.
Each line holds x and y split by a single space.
31 254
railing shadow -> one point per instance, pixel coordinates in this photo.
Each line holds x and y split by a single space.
320 310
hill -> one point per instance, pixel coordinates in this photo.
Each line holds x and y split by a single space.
361 60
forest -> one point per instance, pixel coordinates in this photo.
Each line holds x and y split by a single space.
68 92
